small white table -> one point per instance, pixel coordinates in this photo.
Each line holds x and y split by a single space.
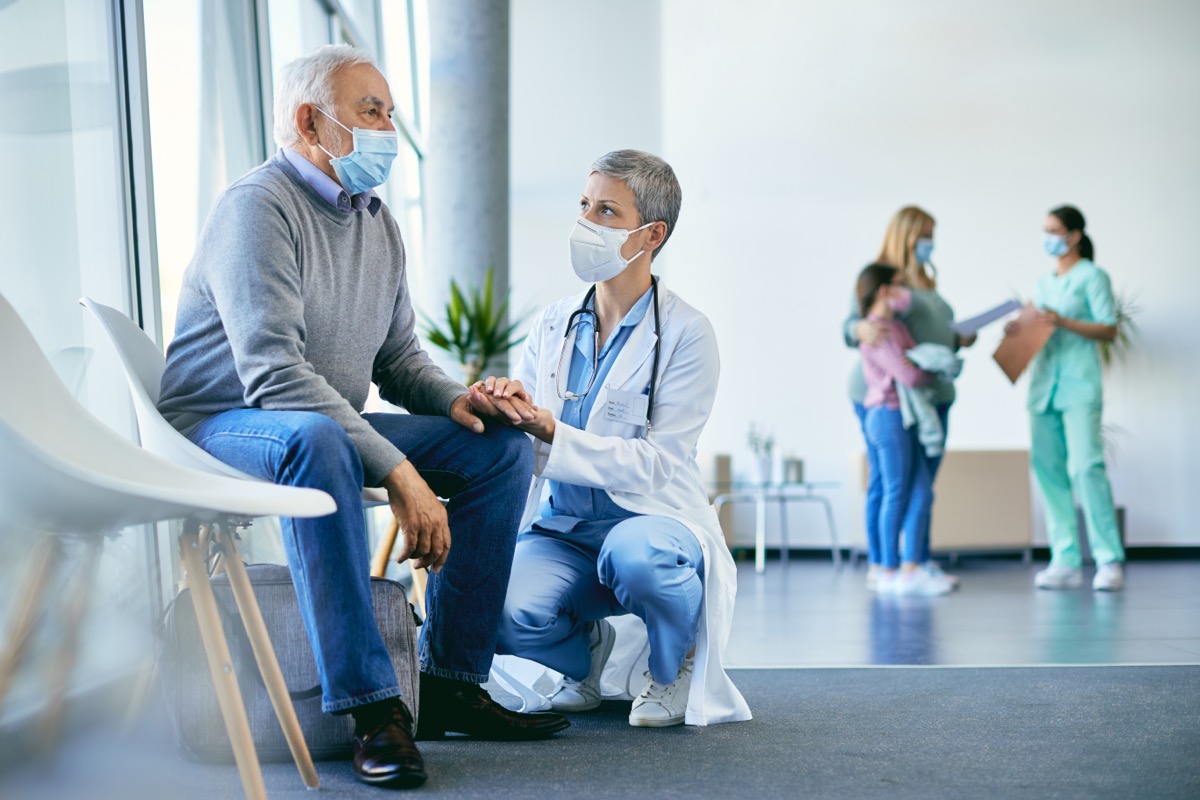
781 493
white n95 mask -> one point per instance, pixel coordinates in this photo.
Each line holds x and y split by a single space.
596 250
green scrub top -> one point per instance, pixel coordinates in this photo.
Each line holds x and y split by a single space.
1066 374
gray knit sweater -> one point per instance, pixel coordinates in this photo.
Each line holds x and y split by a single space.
290 304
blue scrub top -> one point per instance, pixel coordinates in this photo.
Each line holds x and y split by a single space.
1066 373
585 502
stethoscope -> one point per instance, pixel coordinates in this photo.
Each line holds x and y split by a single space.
583 312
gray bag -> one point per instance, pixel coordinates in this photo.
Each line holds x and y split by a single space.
192 700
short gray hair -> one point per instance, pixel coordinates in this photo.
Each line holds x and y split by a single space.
309 79
656 192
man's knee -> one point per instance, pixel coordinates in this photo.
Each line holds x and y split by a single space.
514 450
319 446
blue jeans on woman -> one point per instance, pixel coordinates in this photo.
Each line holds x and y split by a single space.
917 522
486 478
906 488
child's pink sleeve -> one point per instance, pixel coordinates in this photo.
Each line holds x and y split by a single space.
889 357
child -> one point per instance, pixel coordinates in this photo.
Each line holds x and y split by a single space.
905 474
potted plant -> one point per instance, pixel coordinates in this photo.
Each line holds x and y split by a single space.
762 445
474 329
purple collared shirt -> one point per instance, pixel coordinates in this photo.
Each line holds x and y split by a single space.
329 189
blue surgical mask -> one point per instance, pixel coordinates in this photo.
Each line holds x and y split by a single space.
369 163
923 251
1055 245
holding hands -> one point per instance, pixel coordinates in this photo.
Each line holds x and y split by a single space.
507 401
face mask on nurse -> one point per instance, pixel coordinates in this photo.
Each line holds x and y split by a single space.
1055 245
596 251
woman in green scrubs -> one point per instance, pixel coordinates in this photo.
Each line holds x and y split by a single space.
1065 401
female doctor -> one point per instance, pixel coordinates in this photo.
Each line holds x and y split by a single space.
615 385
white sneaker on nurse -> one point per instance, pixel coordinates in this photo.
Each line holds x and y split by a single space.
1057 576
1110 577
661 705
572 695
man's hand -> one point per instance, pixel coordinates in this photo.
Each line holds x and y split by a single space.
421 516
460 412
872 331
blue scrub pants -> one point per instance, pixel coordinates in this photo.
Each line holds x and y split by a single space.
648 566
917 522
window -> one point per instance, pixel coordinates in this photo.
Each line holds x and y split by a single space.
67 229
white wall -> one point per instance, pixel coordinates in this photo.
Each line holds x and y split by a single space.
797 129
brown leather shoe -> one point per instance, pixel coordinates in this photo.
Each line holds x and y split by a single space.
384 753
449 706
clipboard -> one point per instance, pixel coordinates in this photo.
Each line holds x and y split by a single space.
1018 348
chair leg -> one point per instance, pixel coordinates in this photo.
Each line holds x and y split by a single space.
264 654
220 664
419 579
44 561
383 550
383 554
64 663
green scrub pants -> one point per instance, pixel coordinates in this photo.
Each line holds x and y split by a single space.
1067 453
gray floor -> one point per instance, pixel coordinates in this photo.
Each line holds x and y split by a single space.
804 613
807 642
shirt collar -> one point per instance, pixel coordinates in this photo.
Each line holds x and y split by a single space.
329 189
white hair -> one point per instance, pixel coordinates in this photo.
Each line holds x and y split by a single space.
309 79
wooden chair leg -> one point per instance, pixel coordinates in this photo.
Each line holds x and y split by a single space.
42 565
141 691
220 664
64 663
383 550
264 654
420 578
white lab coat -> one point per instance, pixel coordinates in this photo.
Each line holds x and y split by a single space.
647 473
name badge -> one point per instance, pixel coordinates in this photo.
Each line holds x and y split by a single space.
626 407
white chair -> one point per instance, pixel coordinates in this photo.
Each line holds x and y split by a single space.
144 364
65 473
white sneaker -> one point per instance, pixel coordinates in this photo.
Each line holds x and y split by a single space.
934 569
584 695
873 573
1110 577
1057 576
661 705
919 583
885 582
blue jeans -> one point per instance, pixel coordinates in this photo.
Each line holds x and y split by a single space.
906 488
486 478
648 566
917 522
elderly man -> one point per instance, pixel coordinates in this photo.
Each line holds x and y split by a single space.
295 301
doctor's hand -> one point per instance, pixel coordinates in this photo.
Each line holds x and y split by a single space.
421 516
871 331
541 426
502 399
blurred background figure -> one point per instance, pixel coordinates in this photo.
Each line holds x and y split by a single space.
1065 404
907 246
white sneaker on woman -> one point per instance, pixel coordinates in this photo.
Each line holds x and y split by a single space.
1110 577
919 583
661 705
1057 576
934 569
572 695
